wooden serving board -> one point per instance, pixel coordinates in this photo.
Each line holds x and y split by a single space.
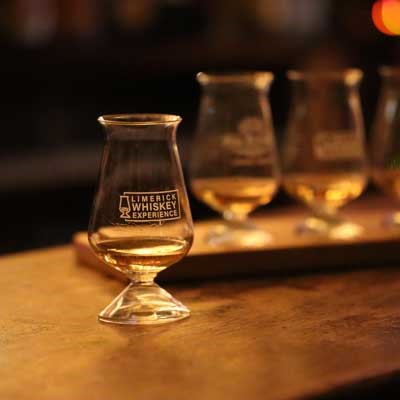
286 253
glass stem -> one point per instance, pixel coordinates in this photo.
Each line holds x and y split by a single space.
327 214
142 278
234 219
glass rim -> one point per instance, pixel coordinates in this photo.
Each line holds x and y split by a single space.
389 71
259 78
145 119
349 75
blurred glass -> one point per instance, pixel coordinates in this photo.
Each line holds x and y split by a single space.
385 139
324 160
234 166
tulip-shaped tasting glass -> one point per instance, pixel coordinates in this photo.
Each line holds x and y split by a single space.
385 139
141 221
324 160
234 166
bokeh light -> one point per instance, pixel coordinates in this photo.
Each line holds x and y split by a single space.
391 15
386 16
377 18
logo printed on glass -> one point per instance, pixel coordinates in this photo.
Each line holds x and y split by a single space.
149 206
251 145
337 145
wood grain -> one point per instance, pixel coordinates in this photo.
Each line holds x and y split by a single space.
281 339
288 252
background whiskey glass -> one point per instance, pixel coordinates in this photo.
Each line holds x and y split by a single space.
385 139
141 221
234 167
323 157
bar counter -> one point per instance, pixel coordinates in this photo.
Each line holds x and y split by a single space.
290 338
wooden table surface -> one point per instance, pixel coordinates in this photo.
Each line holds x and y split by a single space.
275 339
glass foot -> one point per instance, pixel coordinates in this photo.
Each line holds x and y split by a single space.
332 228
237 235
143 304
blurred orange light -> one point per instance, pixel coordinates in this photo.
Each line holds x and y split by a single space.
377 18
391 15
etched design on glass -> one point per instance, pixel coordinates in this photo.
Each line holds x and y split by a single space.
249 145
150 206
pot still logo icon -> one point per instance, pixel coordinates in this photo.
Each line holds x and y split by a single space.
124 206
149 206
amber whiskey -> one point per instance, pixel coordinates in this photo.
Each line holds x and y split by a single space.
240 195
326 190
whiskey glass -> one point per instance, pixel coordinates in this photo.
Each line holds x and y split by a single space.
234 166
323 156
141 221
385 140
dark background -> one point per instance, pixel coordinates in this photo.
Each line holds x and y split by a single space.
65 62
